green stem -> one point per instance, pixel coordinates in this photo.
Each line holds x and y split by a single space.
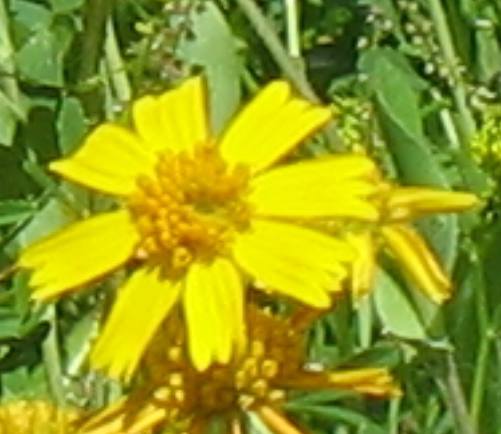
467 123
478 388
265 31
96 14
51 357
393 420
447 122
455 397
292 18
116 66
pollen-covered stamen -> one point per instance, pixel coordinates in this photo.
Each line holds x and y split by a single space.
190 208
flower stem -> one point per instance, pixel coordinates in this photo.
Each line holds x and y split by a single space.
115 65
466 125
478 388
455 397
51 357
267 34
293 43
96 13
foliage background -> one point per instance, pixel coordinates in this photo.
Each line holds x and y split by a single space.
416 84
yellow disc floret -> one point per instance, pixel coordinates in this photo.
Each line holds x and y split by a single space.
189 208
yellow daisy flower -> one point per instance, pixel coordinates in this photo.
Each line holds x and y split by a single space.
399 206
197 213
36 417
173 394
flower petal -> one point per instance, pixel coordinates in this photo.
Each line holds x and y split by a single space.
404 203
271 125
292 260
79 253
275 420
371 381
176 120
418 261
109 161
364 266
328 187
213 305
141 305
124 417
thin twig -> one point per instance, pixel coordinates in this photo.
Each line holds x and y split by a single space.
116 66
455 398
52 359
267 34
467 124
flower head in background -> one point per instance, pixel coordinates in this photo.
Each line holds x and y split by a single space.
199 213
394 233
36 417
175 395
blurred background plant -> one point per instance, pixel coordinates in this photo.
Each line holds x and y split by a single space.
415 83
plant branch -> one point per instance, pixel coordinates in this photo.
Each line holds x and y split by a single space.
96 14
467 124
274 45
455 398
51 357
115 65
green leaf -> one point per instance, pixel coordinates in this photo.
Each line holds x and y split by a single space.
29 16
65 6
13 211
488 53
8 123
40 59
77 342
395 310
52 217
71 124
213 48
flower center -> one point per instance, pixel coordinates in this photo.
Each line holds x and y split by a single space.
274 355
190 208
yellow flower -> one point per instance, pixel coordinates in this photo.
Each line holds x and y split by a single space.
36 417
197 214
398 206
173 394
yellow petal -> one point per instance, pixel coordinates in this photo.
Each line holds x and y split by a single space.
328 187
270 126
418 261
142 304
213 304
109 161
371 381
364 266
275 420
292 260
124 417
176 120
79 253
411 202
